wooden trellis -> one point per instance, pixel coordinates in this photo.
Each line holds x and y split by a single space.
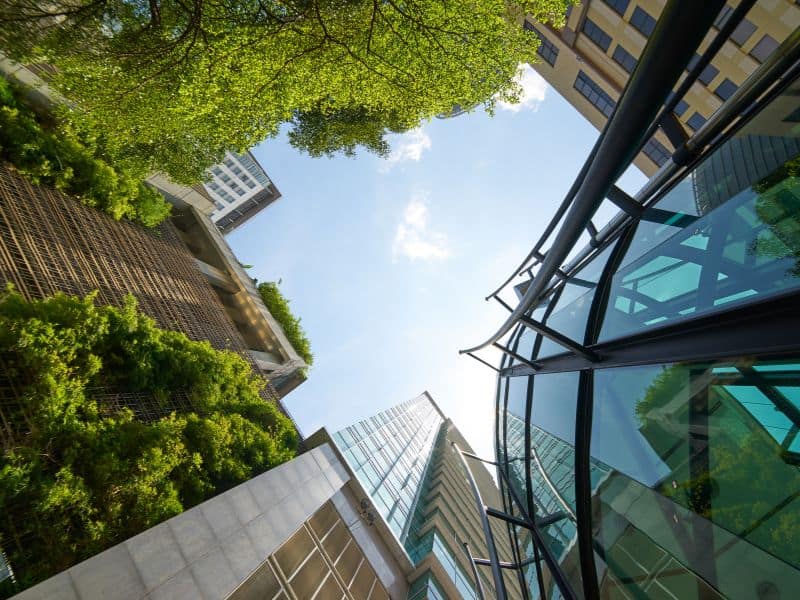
51 243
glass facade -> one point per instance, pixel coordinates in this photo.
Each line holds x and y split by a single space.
389 453
669 467
404 460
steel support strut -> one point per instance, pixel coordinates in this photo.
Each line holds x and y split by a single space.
556 571
472 562
497 575
679 31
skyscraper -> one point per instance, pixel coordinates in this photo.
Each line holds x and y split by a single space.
406 462
590 60
649 389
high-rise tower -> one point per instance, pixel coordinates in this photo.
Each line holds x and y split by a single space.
407 463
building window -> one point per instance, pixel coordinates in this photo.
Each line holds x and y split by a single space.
680 107
597 35
643 22
743 32
707 75
219 205
723 17
765 46
594 94
624 59
656 151
696 121
618 6
726 89
216 171
547 49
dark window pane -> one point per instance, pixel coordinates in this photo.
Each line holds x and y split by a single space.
547 49
594 94
655 151
765 46
723 17
728 232
681 108
696 121
618 6
643 22
708 74
743 32
597 35
692 62
726 89
553 459
624 58
699 478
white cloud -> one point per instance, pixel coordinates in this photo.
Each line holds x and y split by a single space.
408 146
534 90
413 239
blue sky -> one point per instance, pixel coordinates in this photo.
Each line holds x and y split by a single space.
387 262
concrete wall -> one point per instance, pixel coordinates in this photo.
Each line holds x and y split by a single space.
207 551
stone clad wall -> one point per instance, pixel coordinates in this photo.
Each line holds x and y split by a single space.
211 549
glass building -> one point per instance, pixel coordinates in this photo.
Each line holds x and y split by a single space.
389 453
404 460
648 395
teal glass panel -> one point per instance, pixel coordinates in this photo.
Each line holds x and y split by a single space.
552 465
502 382
698 486
426 588
572 308
432 542
729 233
516 454
518 395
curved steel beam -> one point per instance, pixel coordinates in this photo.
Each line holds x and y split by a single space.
679 31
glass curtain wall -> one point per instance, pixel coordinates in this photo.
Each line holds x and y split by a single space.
388 453
693 463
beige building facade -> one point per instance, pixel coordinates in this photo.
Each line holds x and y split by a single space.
590 60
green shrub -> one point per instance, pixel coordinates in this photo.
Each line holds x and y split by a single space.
61 158
83 476
278 306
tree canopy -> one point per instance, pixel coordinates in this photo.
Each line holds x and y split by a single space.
55 154
79 472
173 84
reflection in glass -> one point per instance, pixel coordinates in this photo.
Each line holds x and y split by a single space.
574 302
727 233
703 496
